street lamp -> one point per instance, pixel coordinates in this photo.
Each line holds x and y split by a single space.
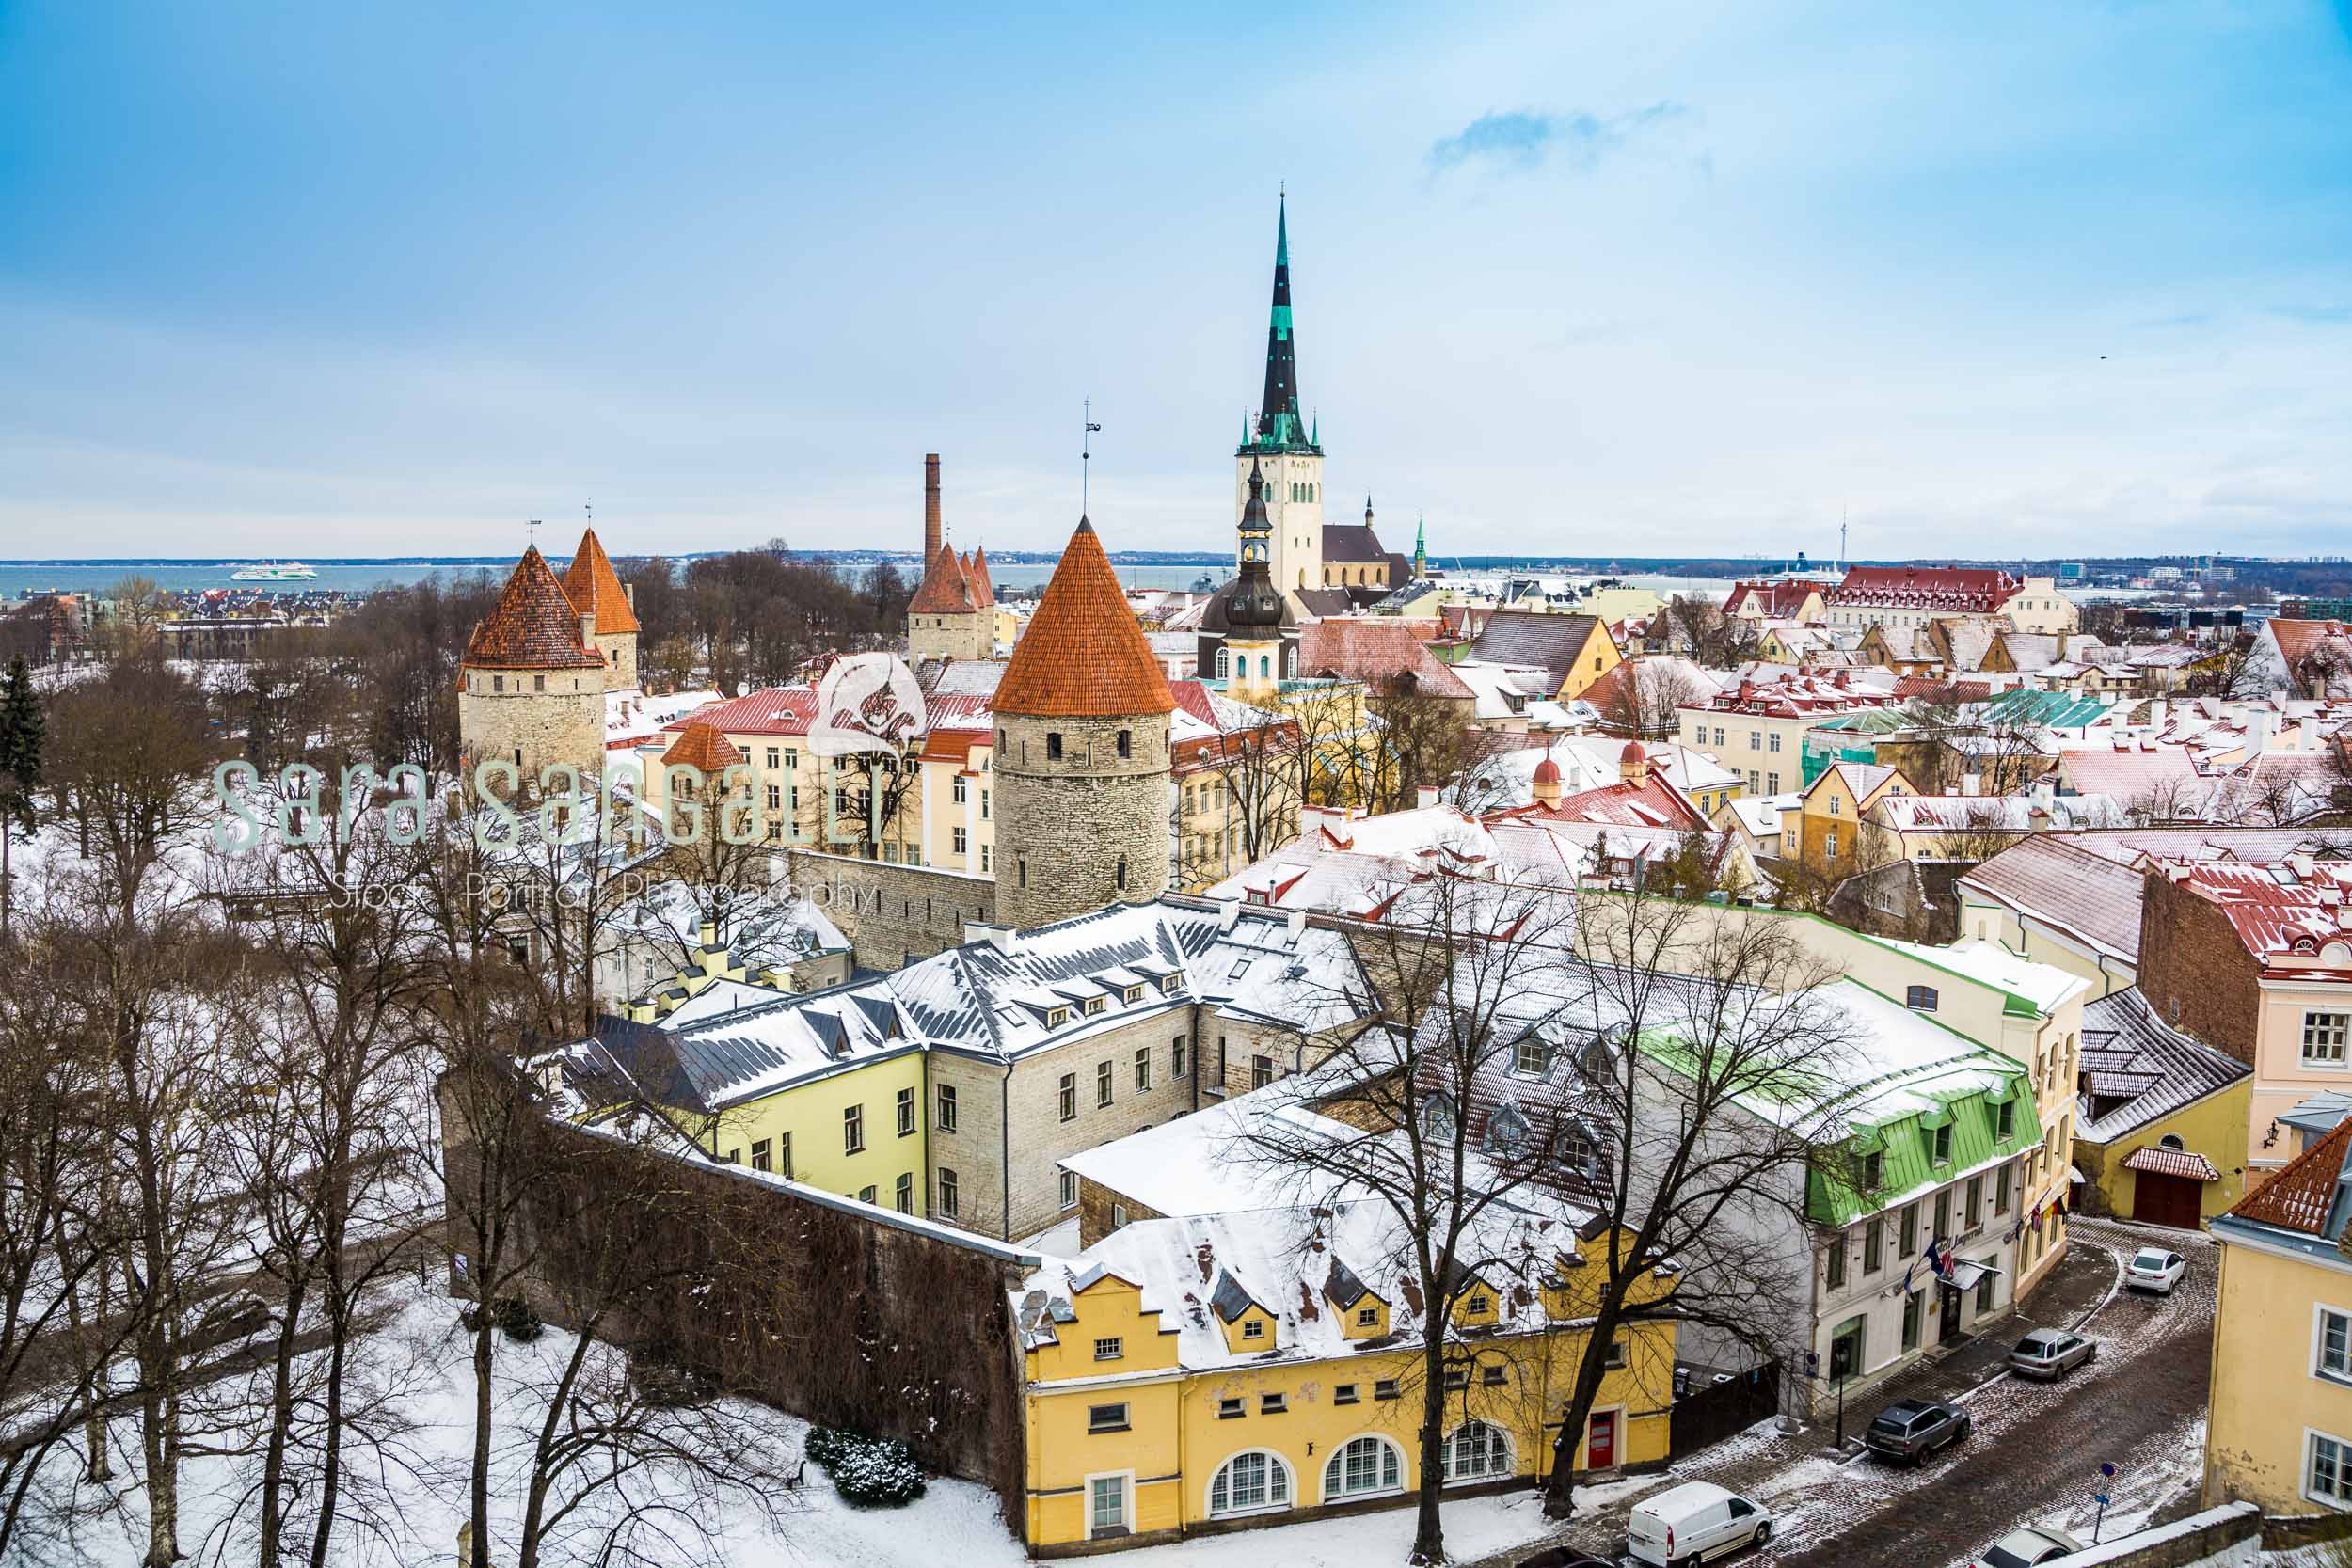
1838 1380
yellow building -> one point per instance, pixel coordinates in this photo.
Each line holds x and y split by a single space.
825 1087
1831 814
1194 1375
2163 1138
2280 1429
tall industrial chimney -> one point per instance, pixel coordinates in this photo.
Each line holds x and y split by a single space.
931 508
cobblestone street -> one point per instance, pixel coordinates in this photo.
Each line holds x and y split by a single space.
2036 1448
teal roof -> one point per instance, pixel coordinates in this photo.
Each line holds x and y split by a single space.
2059 709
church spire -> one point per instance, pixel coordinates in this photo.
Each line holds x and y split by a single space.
1280 426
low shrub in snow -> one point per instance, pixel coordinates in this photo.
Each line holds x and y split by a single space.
826 1445
868 1472
510 1314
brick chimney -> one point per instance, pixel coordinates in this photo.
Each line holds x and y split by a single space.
930 507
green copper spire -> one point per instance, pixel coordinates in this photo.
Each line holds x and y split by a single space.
1280 428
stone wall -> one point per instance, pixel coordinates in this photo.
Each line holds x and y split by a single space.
1095 1219
620 659
951 636
892 914
564 723
2231 1536
1066 826
2194 970
1041 1139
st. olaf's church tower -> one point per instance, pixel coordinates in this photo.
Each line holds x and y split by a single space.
1282 450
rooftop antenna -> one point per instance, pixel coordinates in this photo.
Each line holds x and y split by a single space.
1085 456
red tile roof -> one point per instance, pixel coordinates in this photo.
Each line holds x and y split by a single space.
1980 589
1377 653
1653 803
2277 911
532 626
947 588
2298 1197
2172 1162
594 589
1084 653
1776 601
976 568
702 746
778 710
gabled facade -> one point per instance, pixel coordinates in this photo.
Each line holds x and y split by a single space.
1832 815
1227 1372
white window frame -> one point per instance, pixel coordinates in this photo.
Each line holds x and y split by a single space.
2341 1501
1290 1487
1126 1479
2334 1053
1510 1452
2321 1312
1339 1455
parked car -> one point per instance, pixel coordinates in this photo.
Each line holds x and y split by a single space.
2154 1270
1563 1557
2023 1548
1694 1522
1913 1429
2051 1352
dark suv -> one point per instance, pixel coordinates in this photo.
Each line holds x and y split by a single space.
1910 1429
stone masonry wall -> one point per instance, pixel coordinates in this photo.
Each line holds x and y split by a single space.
620 659
892 914
1094 1211
950 637
2195 972
564 724
1064 827
1041 1138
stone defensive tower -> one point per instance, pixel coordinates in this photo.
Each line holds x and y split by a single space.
1082 752
530 688
953 612
596 591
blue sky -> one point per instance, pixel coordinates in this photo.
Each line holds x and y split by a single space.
373 278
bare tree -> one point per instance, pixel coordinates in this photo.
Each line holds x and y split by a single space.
1708 1010
1449 1005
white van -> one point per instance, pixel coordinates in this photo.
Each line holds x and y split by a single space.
1694 1522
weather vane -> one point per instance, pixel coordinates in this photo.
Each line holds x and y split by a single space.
531 529
1086 456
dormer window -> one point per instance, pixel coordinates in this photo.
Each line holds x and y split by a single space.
1095 1005
1133 994
1253 1329
1477 1307
1506 1132
1436 1117
1057 1017
1367 1317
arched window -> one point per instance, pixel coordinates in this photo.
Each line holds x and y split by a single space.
1363 1466
1477 1450
1251 1482
1265 667
2173 1142
1290 662
1224 664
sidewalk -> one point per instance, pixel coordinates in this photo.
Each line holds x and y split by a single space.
2083 1280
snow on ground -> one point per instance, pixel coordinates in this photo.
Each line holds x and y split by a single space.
954 1521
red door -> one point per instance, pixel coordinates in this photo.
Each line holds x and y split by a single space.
1601 1441
2173 1200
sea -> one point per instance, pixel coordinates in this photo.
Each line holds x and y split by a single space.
23 578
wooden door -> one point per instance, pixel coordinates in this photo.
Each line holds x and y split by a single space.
2173 1200
1600 1440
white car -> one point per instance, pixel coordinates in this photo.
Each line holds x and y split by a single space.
1694 1522
2024 1548
2154 1270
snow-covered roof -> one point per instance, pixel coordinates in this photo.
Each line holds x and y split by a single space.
2044 987
1282 1260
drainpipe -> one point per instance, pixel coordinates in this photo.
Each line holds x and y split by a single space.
1004 1146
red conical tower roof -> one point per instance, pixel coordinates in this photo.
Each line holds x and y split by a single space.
946 590
983 591
1084 653
595 588
534 625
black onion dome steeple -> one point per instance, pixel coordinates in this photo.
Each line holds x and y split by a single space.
1280 427
1256 604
